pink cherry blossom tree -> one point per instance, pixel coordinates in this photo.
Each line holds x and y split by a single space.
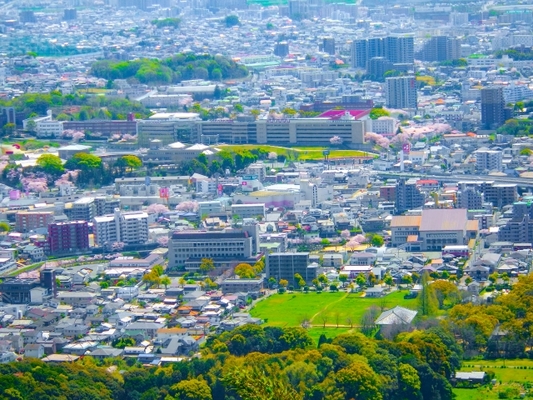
335 140
157 208
187 206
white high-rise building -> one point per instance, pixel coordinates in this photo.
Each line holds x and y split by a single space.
128 228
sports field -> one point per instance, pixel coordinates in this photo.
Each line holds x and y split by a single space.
331 309
300 153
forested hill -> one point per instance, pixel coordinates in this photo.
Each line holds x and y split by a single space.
171 70
257 363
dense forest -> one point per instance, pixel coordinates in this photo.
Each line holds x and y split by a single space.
258 363
171 70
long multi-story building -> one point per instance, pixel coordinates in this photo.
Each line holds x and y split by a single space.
68 237
27 221
128 228
401 92
187 249
433 230
286 265
348 125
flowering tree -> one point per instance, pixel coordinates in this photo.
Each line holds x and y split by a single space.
67 178
345 234
157 209
73 134
335 140
187 206
272 155
34 184
162 241
129 138
378 139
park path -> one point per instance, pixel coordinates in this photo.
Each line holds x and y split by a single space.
327 306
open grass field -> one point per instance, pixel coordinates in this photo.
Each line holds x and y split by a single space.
511 375
301 153
343 309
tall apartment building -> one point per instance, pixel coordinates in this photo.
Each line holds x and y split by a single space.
281 49
128 228
470 198
493 113
401 92
396 49
499 194
27 221
106 205
408 196
65 237
286 265
440 48
186 249
83 209
400 49
488 160
520 228
298 9
328 45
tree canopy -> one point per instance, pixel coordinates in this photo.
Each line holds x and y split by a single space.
51 164
170 70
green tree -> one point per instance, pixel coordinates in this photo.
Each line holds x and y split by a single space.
31 126
377 240
255 384
343 279
427 301
408 383
4 227
245 271
51 164
388 279
359 381
207 265
129 162
360 280
165 281
9 128
377 112
192 389
231 20
84 161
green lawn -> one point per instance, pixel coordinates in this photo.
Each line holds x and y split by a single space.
300 153
290 309
509 375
